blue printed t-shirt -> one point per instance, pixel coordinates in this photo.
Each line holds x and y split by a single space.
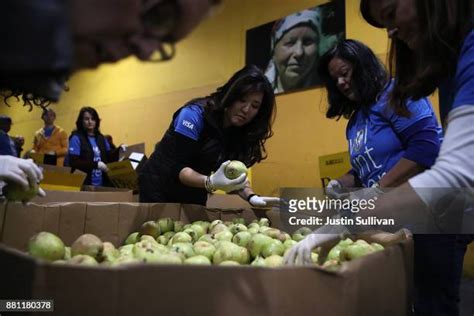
190 121
374 146
48 131
460 89
75 149
7 146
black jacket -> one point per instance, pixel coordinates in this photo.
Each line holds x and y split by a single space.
159 178
85 161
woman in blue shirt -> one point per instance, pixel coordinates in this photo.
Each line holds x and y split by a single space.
387 145
89 151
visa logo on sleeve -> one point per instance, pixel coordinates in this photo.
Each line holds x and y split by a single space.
188 124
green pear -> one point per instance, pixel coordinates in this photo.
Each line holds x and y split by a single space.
253 230
254 225
218 228
289 243
163 240
61 261
46 246
185 249
229 263
132 238
126 250
223 235
275 247
346 242
125 260
67 253
181 237
235 228
258 262
166 225
150 228
109 253
199 259
16 193
169 258
234 169
149 239
272 232
191 233
83 260
178 226
208 238
264 222
186 226
257 243
301 233
214 223
238 220
87 244
377 246
334 253
205 225
355 251
144 252
274 261
205 249
198 229
242 238
227 250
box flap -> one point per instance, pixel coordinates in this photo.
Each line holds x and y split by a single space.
61 178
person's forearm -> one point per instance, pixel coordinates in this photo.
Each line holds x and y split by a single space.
191 178
454 167
403 170
246 192
347 180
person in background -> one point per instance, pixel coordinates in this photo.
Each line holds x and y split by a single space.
51 139
7 144
233 123
89 151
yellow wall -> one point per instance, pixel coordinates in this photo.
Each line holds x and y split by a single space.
136 100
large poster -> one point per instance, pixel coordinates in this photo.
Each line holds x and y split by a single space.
288 49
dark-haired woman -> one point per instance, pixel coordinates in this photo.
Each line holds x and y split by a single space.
387 144
232 123
89 151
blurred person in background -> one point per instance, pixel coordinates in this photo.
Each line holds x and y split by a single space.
51 139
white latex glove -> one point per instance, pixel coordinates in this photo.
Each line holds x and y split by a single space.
300 254
334 190
365 194
102 166
218 180
123 147
257 200
53 153
21 171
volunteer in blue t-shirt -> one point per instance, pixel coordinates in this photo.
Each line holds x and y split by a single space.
89 151
232 123
387 144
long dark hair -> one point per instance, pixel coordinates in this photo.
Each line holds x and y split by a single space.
443 26
369 78
246 143
79 124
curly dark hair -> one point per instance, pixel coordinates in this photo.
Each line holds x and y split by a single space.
443 26
79 124
369 78
247 143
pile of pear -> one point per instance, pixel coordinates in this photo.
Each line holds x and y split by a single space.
165 241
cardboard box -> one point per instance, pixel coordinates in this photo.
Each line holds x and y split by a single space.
124 174
378 284
54 196
61 179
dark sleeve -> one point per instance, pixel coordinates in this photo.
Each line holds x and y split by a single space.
357 182
184 150
5 147
113 155
422 142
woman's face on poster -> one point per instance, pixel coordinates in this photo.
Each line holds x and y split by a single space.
295 55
